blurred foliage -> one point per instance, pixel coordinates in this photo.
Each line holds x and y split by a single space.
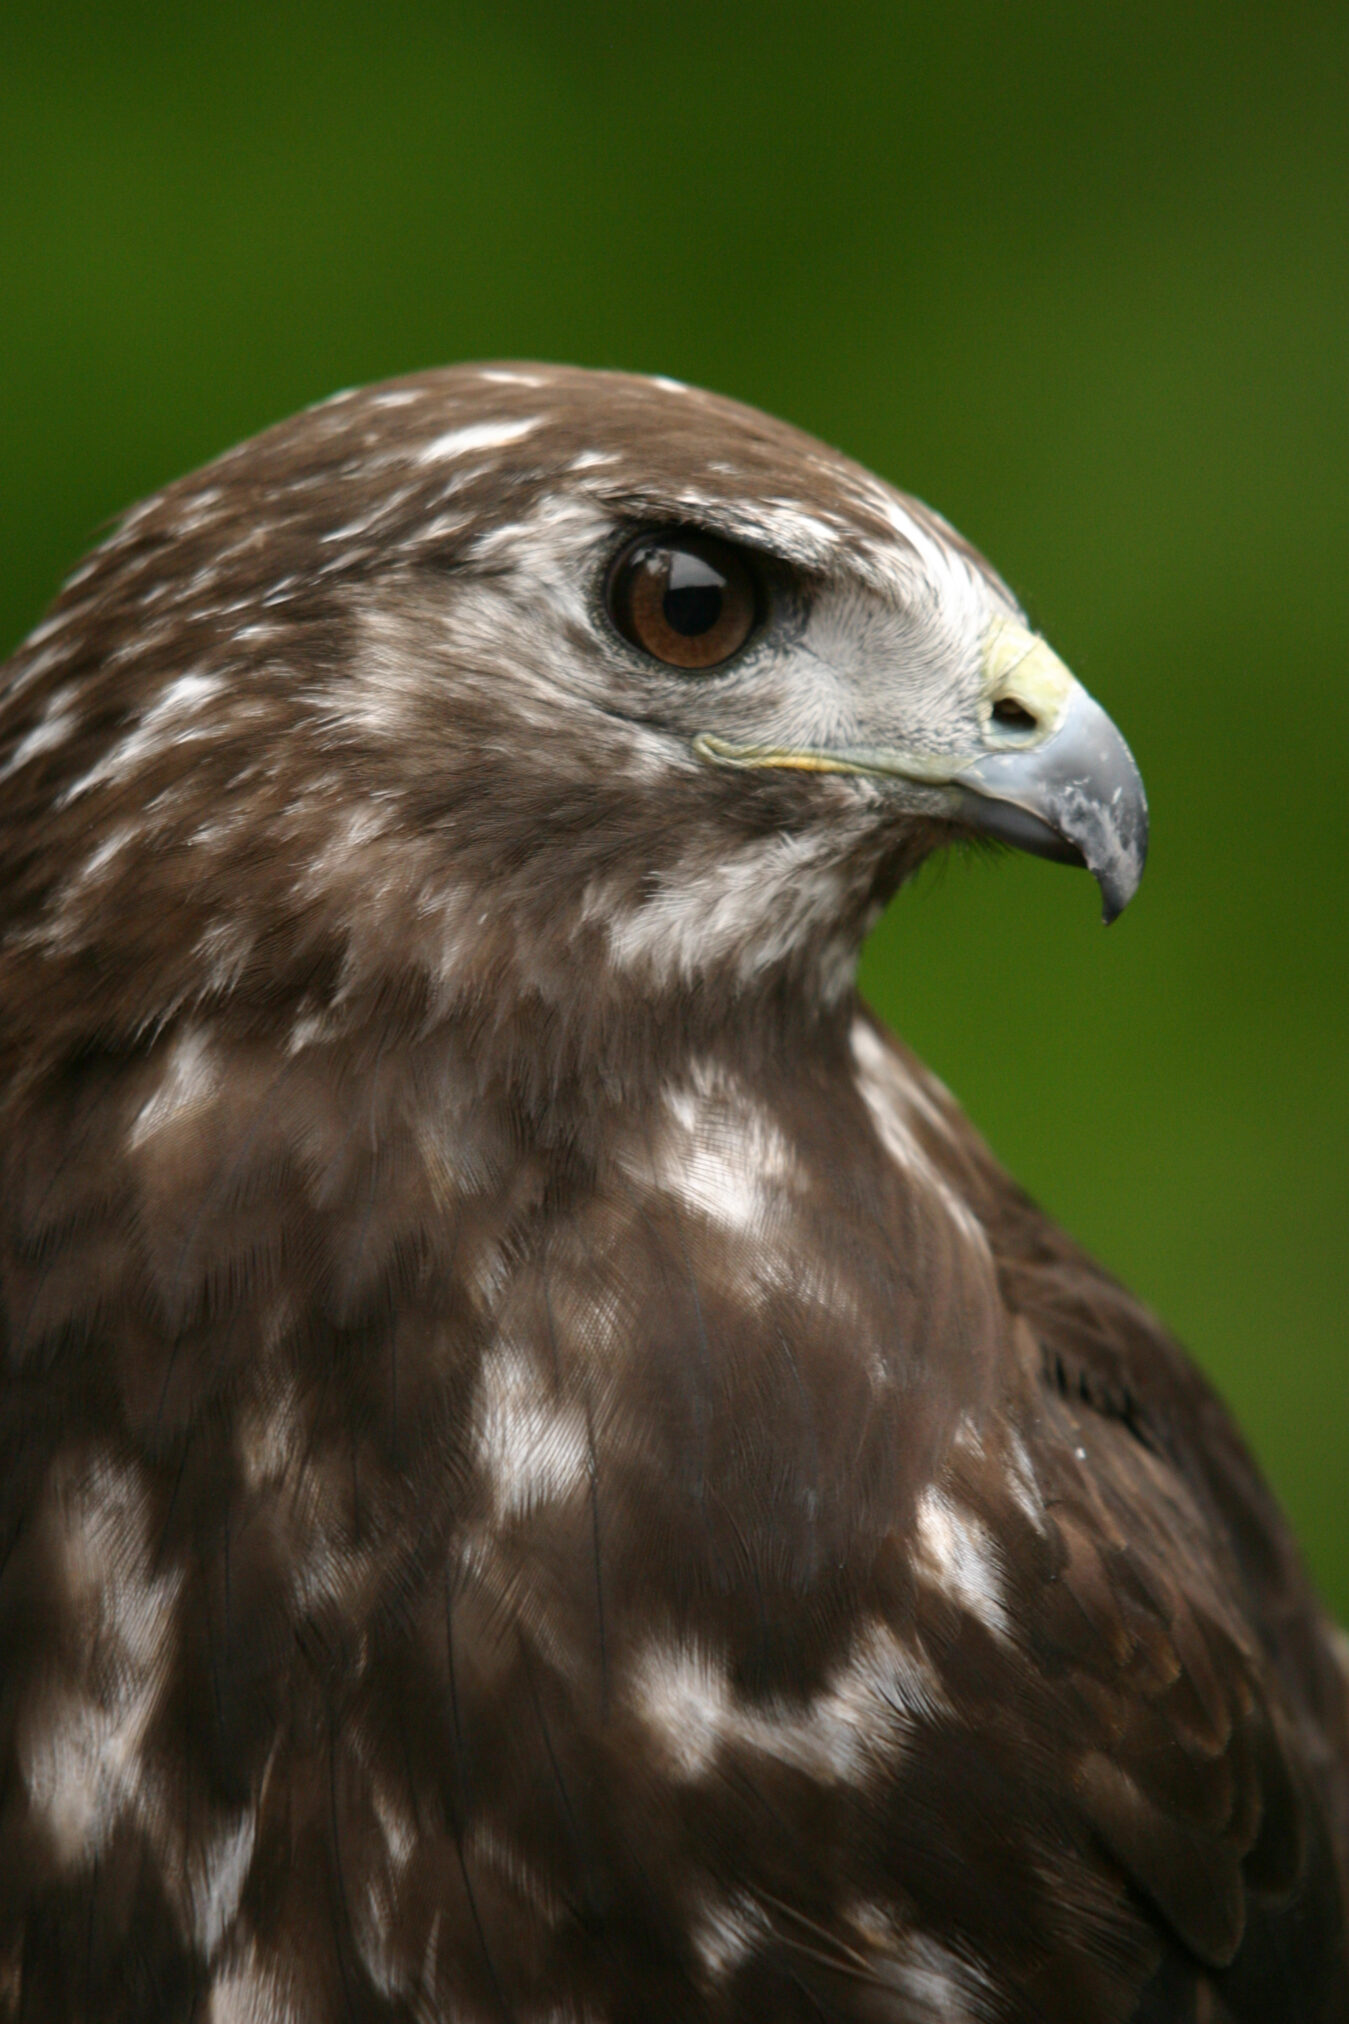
1076 275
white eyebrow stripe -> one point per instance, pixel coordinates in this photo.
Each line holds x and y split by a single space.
492 435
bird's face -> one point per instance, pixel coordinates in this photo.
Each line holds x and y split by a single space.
525 667
775 681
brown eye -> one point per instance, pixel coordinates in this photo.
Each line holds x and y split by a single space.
686 598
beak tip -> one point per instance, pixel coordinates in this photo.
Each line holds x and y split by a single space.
1119 879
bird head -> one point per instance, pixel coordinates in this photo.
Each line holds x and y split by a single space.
521 683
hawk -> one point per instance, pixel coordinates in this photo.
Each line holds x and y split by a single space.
547 1473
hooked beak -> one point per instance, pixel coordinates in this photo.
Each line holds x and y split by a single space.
1052 775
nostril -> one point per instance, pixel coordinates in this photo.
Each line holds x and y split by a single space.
1013 714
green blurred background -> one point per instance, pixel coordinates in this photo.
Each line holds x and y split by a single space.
1076 274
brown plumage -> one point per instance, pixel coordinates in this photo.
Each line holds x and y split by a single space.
547 1474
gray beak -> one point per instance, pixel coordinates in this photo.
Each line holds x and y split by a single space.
1077 798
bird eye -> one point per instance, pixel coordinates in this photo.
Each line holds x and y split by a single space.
688 599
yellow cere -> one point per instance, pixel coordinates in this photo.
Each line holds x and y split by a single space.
1020 667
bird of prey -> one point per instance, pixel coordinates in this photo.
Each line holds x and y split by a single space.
547 1475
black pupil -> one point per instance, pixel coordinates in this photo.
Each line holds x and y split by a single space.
693 594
